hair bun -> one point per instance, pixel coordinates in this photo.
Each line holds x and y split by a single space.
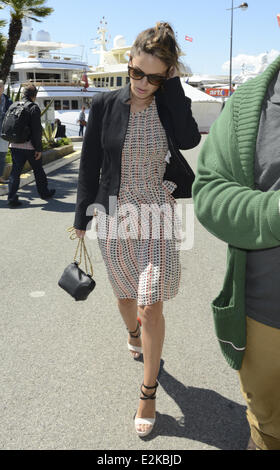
159 41
163 27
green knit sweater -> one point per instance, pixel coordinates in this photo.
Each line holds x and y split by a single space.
228 205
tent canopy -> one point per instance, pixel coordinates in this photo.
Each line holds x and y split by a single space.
205 108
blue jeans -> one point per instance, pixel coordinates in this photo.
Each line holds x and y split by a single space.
19 157
2 162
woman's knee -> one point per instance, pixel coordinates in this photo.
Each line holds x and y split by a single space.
151 314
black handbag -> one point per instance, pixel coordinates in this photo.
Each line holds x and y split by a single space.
74 280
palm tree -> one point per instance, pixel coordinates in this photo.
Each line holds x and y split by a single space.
19 9
2 41
2 38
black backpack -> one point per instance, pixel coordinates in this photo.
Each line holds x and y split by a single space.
16 123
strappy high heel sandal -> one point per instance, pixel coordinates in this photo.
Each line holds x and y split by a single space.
147 421
135 334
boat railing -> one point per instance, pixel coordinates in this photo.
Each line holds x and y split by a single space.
58 56
54 82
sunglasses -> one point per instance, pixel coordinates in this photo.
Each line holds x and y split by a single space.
153 79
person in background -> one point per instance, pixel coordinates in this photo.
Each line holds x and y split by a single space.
82 121
5 103
236 194
60 132
31 151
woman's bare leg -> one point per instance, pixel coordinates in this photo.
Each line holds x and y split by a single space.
128 309
153 332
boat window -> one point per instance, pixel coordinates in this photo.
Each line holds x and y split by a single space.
75 104
14 76
126 80
47 77
46 102
112 81
57 105
30 76
119 81
66 105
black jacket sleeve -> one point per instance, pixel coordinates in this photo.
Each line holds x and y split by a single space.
36 128
90 164
184 126
8 103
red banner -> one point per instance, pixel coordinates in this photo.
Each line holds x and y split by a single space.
218 92
188 38
278 19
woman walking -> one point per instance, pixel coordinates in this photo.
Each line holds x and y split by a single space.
131 162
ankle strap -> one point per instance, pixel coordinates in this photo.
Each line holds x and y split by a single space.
149 397
150 388
137 330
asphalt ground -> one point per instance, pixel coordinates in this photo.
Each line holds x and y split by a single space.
67 379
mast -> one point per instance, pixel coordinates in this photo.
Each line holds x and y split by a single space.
102 41
26 34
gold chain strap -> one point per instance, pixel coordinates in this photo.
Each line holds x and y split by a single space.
81 249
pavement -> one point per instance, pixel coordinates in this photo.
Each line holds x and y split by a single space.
67 379
28 177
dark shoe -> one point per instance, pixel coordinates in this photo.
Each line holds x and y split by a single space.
49 195
14 203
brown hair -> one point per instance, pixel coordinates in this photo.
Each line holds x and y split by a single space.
159 41
30 91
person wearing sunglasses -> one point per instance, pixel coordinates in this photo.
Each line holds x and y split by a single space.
131 158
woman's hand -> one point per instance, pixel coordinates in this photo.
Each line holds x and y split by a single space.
80 233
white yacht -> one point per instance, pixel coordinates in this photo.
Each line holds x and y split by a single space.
111 72
248 72
65 77
57 75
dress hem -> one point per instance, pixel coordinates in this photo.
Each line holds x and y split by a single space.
163 299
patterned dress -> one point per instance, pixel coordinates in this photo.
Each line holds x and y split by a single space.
138 243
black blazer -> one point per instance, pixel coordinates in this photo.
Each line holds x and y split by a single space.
35 125
100 165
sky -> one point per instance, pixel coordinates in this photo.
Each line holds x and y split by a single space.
208 22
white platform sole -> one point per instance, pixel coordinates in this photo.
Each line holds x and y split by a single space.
148 421
136 349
